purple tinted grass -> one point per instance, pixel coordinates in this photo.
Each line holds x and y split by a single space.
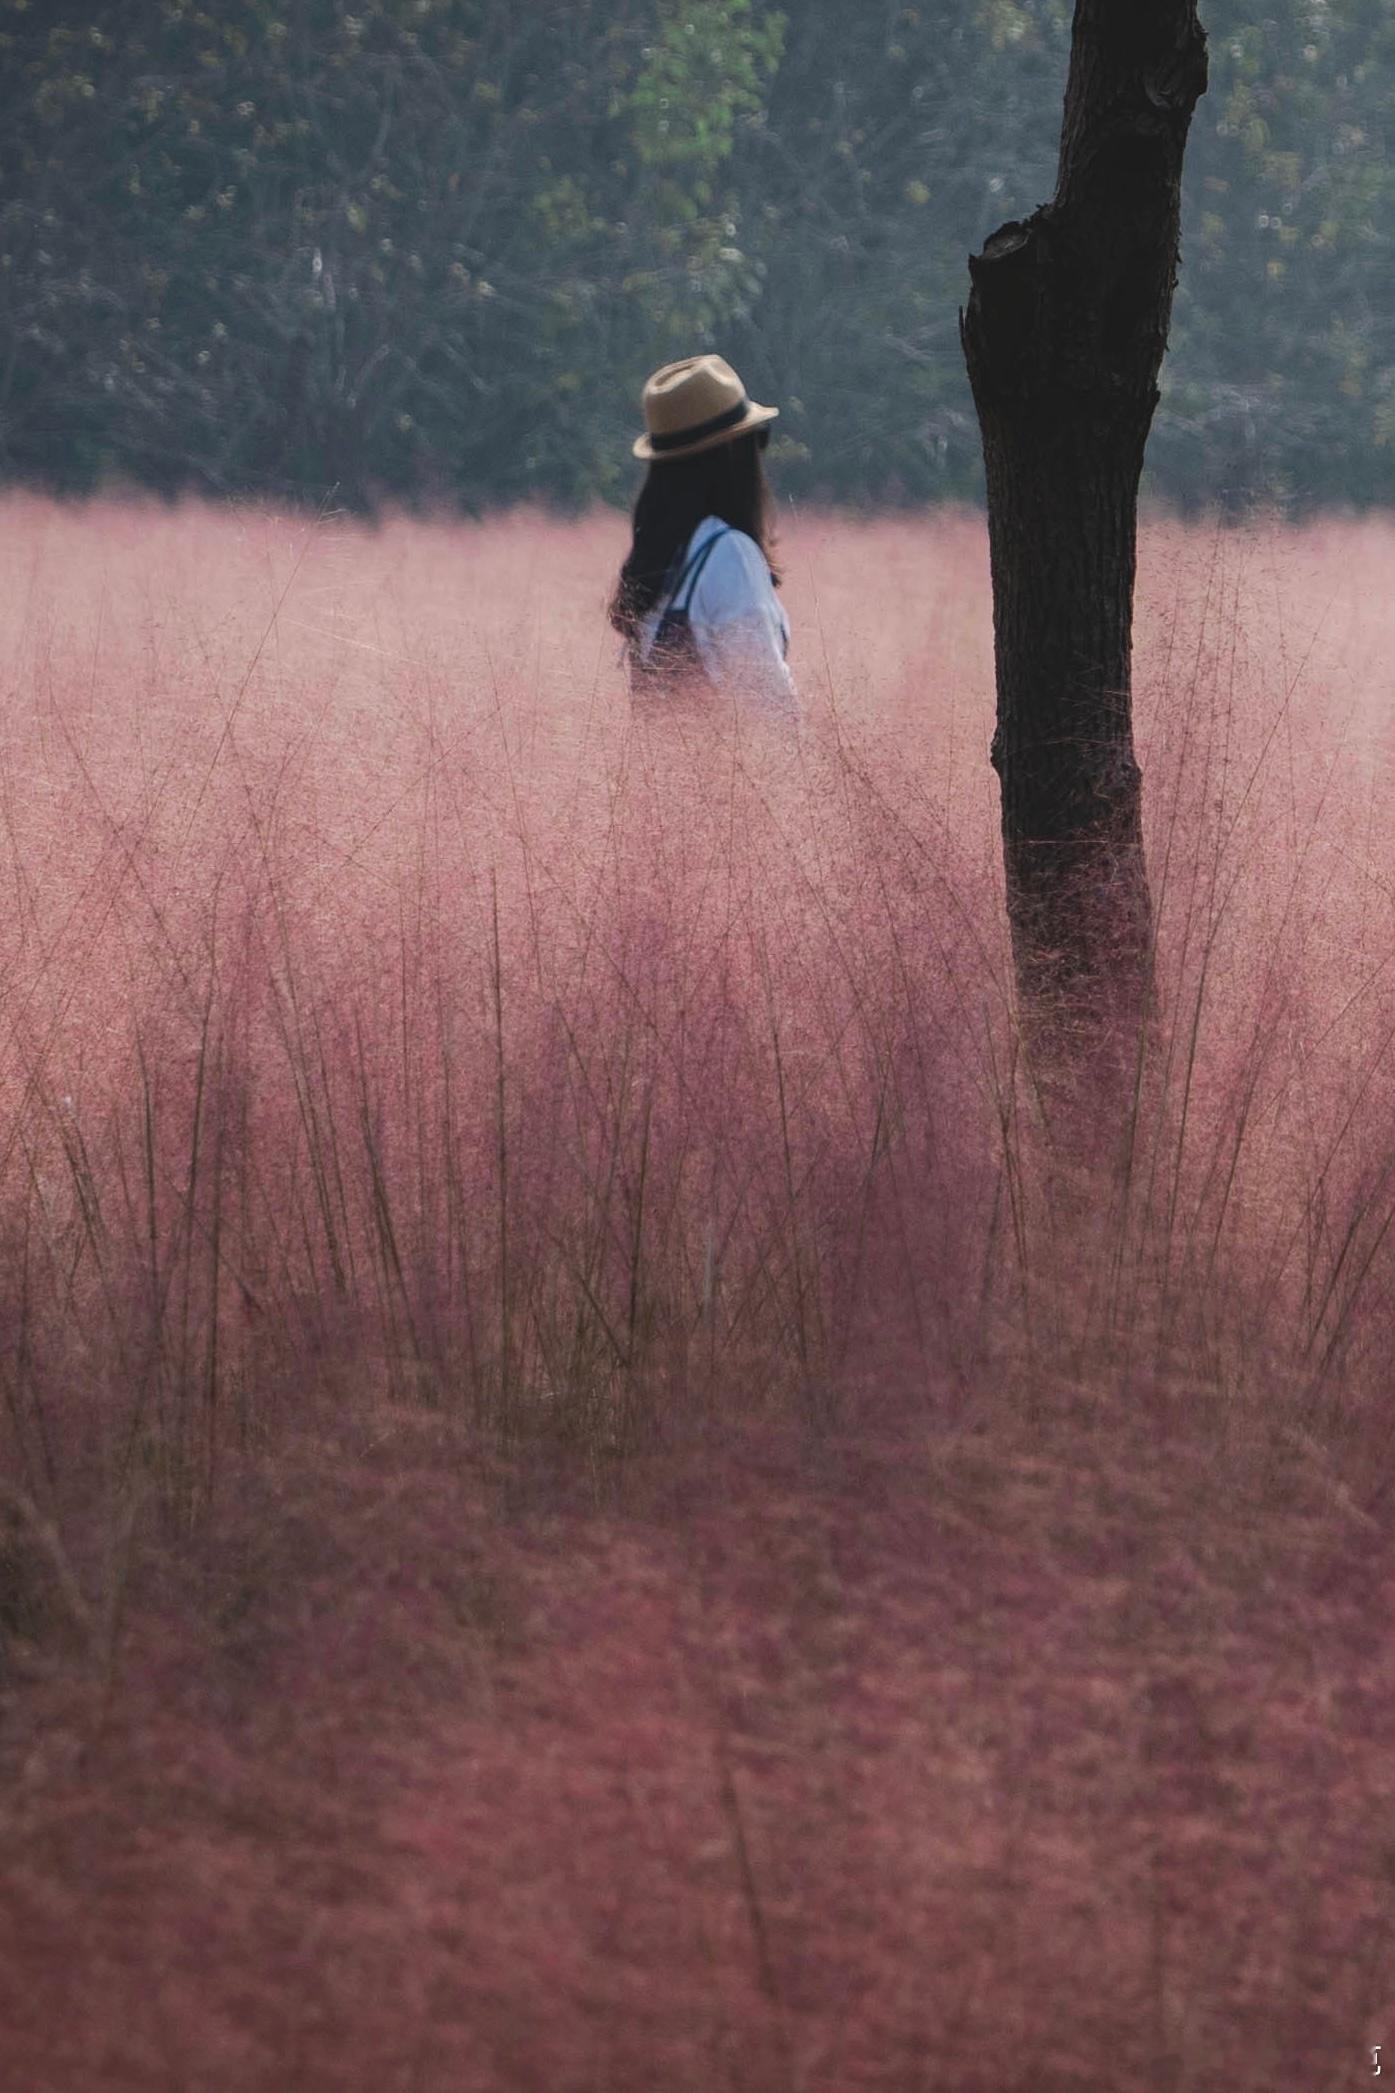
585 1497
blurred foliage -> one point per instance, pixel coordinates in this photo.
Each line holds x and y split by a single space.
428 249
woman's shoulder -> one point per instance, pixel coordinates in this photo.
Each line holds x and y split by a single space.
735 559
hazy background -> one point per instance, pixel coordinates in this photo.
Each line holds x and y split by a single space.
431 247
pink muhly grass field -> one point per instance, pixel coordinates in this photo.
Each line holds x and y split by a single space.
583 1501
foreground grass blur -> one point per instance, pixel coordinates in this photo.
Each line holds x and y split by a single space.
561 1413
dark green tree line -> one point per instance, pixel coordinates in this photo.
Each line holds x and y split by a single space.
429 248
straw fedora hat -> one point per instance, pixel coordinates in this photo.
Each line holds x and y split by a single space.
694 405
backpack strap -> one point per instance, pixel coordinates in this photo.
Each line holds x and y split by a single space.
692 573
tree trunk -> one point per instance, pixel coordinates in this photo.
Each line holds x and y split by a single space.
1064 336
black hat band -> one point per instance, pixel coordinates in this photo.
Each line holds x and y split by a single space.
726 420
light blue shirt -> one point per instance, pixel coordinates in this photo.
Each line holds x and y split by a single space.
738 622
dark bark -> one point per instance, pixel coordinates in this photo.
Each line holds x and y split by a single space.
1064 336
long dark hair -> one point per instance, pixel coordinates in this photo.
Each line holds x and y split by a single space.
727 481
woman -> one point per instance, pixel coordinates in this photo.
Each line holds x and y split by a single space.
696 598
